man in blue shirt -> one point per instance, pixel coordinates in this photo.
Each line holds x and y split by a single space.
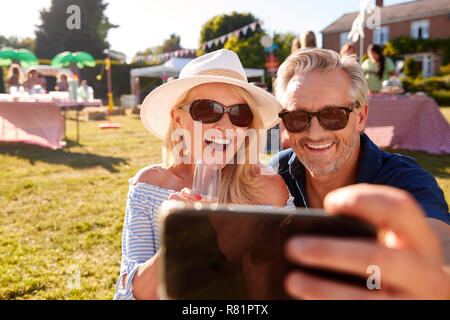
376 167
330 165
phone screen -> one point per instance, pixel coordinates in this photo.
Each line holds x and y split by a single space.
229 253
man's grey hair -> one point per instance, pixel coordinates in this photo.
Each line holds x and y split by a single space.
321 60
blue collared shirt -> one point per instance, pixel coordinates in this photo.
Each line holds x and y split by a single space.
376 167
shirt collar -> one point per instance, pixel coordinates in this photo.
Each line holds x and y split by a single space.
371 160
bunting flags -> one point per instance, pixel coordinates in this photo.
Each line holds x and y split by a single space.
208 44
222 39
166 56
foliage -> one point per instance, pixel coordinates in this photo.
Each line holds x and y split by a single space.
404 45
16 43
442 97
412 68
444 70
171 44
428 85
223 24
437 87
250 51
284 42
53 36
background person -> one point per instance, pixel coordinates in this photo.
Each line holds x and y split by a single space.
308 40
296 45
377 68
348 49
62 84
32 80
15 77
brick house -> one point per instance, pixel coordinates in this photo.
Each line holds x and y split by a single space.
426 19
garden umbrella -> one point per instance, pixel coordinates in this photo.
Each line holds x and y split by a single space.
66 58
25 57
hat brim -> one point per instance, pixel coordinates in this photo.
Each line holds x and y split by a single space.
155 110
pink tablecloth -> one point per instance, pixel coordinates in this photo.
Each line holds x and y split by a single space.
38 123
413 123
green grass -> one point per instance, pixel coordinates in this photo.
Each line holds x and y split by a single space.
62 211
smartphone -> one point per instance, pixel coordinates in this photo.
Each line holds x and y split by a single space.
237 252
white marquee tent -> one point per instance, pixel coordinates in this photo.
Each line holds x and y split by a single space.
172 68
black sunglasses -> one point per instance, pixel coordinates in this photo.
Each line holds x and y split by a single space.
209 111
332 118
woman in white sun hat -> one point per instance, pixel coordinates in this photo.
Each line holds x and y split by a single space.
213 90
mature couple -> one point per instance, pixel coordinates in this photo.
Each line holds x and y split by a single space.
321 98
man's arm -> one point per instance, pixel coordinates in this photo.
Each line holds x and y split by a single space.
408 253
442 232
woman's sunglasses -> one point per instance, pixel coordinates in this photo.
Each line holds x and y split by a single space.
332 118
209 111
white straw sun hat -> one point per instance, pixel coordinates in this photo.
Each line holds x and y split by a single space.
221 66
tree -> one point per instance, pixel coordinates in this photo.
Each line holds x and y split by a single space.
250 51
171 44
54 36
223 24
284 42
16 43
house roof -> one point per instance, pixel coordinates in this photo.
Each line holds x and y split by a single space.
399 12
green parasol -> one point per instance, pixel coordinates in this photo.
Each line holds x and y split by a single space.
66 58
25 57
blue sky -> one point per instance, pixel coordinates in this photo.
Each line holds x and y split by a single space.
146 23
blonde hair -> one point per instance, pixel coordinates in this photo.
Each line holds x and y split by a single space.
308 40
239 181
321 60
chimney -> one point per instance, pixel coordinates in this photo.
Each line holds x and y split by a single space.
379 3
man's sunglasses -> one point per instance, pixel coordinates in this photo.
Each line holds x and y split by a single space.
332 118
209 111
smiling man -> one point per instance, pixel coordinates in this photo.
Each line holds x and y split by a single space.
324 97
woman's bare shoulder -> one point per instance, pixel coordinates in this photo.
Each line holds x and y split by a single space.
274 186
152 175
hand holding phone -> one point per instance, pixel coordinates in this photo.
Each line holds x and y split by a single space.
237 252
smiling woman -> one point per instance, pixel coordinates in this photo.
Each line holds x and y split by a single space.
210 113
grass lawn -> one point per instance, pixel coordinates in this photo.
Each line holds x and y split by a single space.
62 211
